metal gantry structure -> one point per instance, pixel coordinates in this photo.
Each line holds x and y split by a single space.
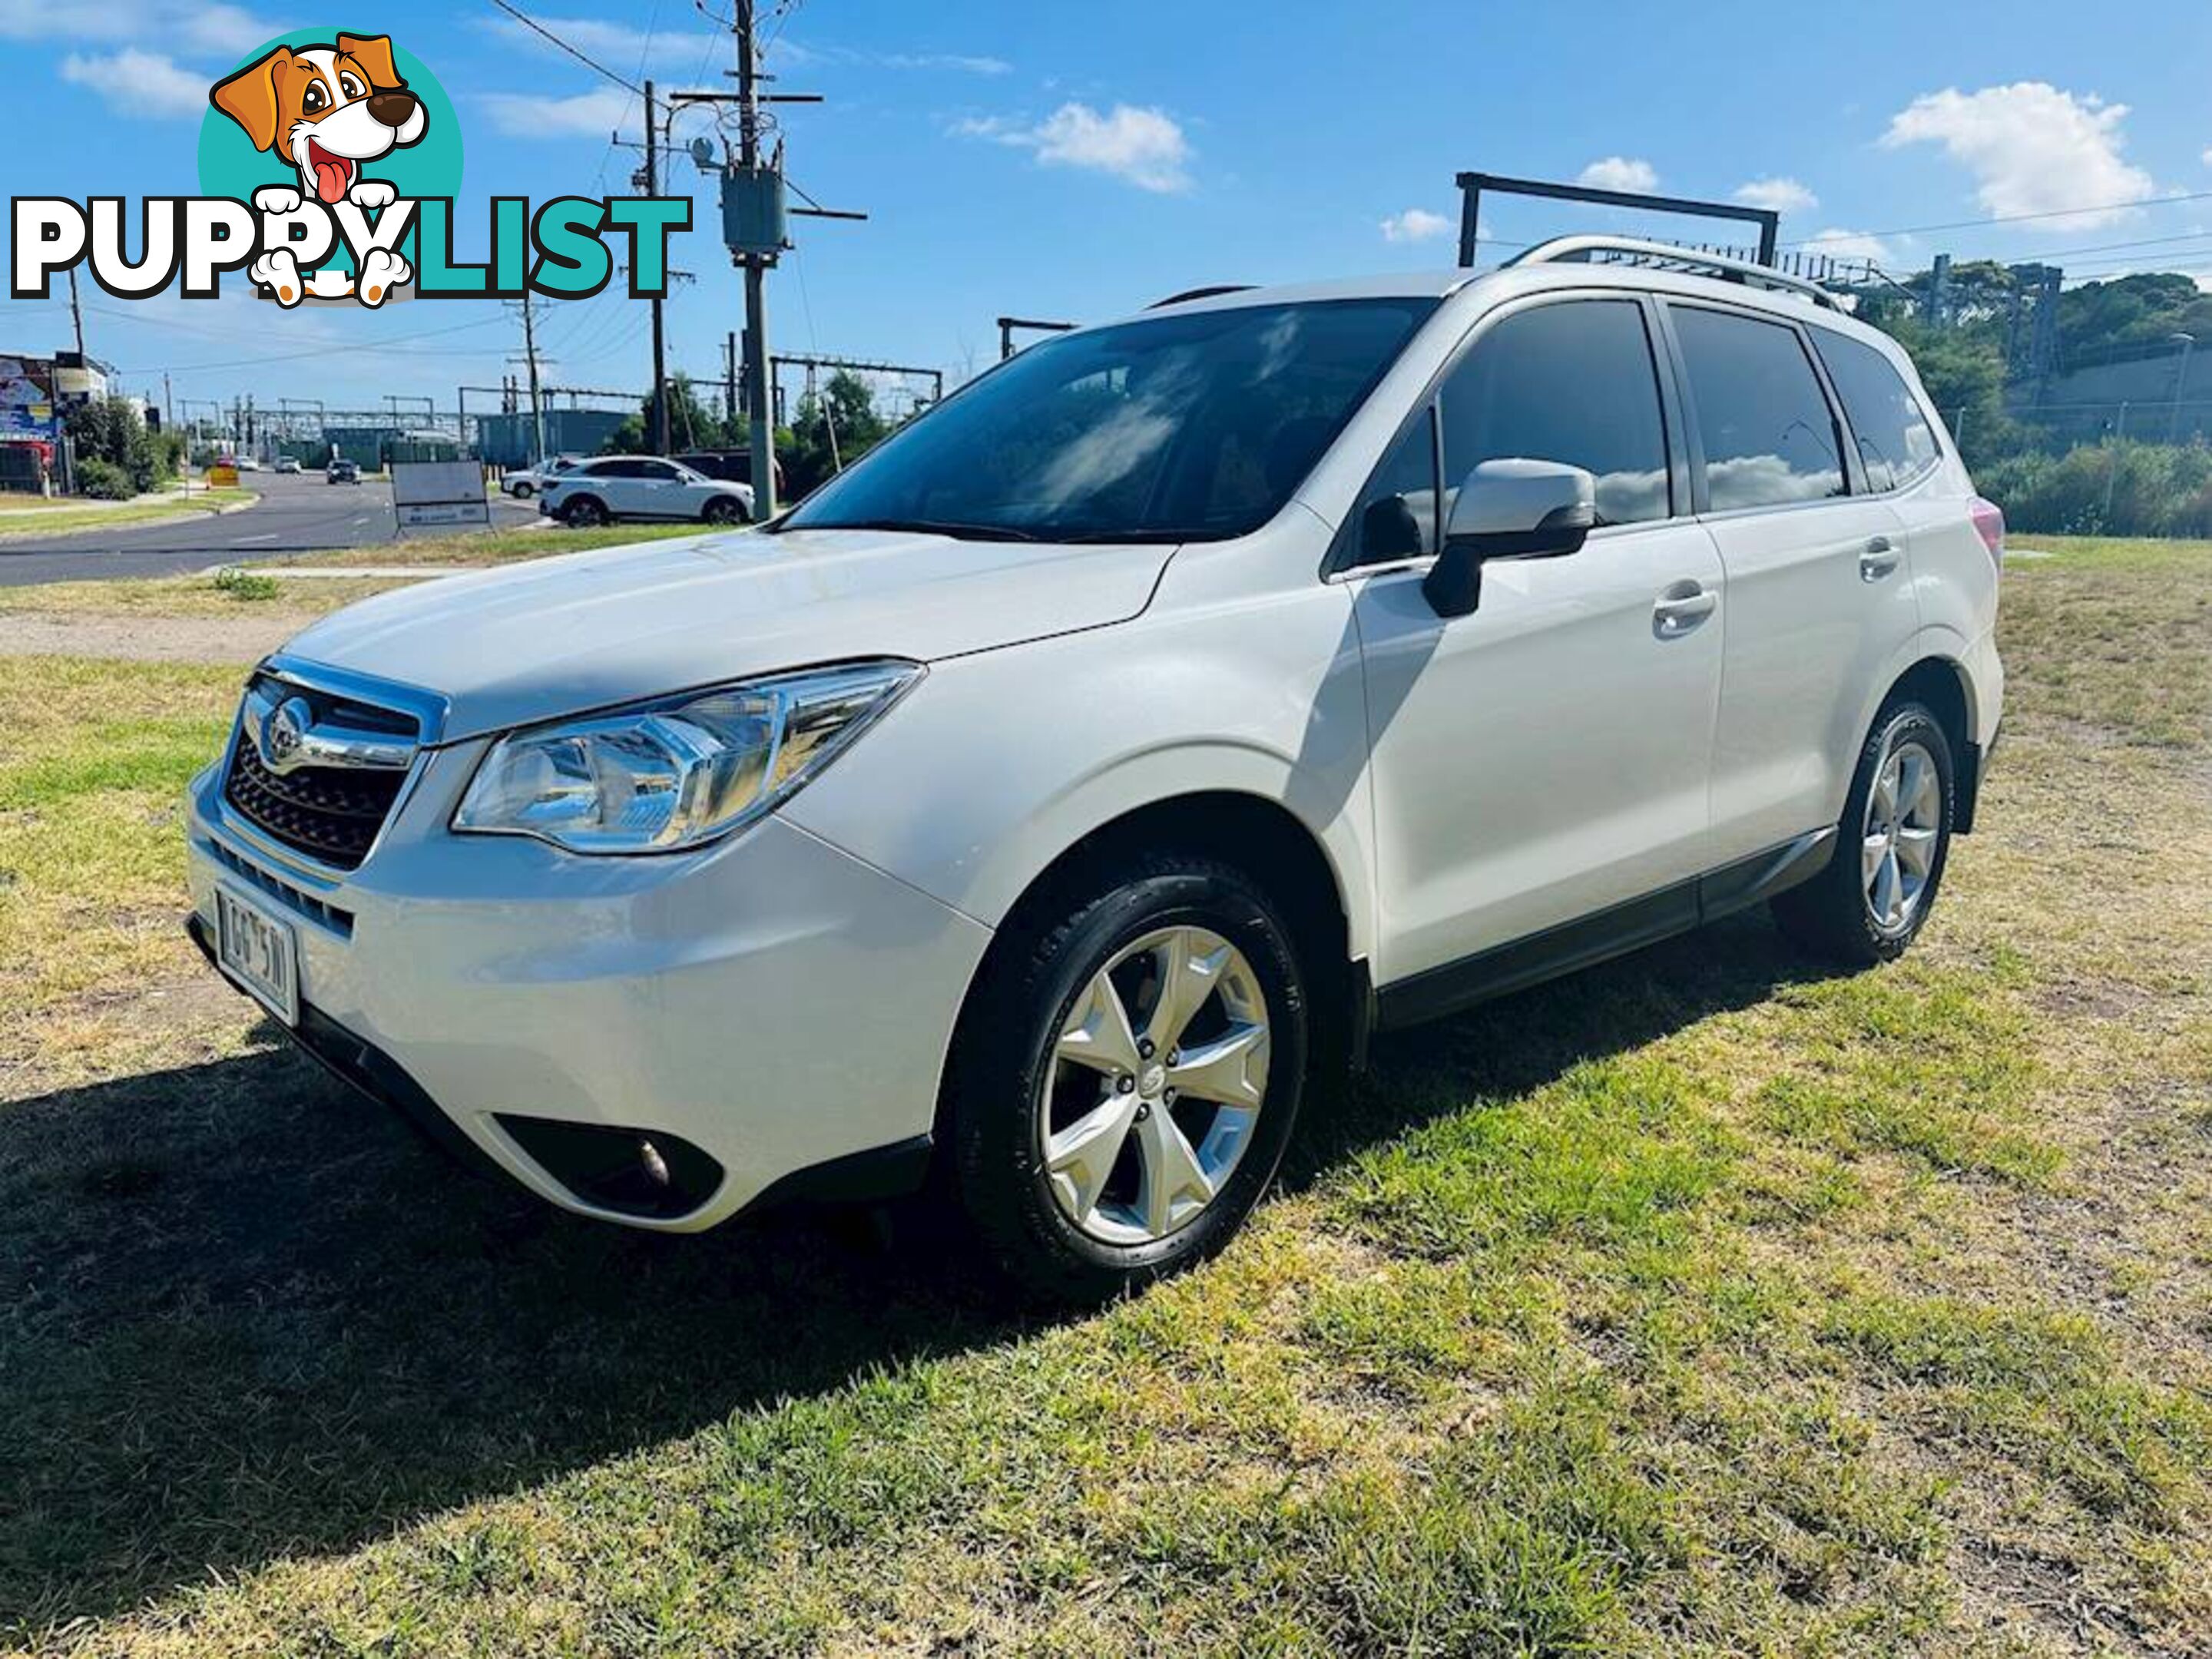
1008 325
1473 185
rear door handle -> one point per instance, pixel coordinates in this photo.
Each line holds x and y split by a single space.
1878 559
1682 608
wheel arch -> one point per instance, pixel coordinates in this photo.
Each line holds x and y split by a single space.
1256 834
1943 683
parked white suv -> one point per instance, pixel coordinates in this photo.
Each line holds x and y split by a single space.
1053 793
643 486
527 481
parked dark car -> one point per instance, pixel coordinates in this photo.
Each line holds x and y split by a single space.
342 470
734 465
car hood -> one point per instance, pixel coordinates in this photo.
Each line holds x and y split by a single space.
559 635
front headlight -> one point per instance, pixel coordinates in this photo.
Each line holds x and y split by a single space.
673 773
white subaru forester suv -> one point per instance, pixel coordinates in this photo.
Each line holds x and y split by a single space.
1045 803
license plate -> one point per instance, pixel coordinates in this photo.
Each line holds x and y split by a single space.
259 952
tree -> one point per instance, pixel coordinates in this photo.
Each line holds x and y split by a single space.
832 430
111 430
1963 370
691 424
2148 308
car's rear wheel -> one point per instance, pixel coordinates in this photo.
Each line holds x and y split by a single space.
724 509
584 512
1127 1079
1875 893
521 492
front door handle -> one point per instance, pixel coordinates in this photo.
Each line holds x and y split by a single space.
1682 608
1878 559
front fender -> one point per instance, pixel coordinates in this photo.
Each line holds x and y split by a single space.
998 762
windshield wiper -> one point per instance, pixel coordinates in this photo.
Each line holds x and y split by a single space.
964 532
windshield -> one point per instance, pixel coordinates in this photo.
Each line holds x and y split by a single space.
1188 428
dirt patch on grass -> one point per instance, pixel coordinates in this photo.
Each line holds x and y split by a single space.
242 636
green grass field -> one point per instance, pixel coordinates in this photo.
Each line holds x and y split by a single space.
1706 1303
62 515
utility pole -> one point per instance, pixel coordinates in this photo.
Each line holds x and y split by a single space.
762 433
529 355
729 379
753 218
168 414
660 344
76 318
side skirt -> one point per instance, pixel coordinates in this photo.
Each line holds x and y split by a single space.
1609 932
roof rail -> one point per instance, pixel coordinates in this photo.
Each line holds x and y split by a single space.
1190 294
1561 249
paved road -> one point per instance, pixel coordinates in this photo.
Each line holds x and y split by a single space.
296 513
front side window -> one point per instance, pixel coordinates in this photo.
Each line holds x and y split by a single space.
1398 516
1574 383
1769 436
1188 428
1896 444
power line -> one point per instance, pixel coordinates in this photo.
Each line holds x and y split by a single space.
317 351
587 61
2024 218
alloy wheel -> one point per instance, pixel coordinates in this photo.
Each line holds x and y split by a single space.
1155 1084
1898 840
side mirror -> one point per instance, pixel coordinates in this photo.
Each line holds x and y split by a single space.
1509 509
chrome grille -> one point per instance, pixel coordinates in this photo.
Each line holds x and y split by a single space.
316 771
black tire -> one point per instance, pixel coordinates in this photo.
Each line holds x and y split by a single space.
1003 1056
521 492
1833 915
724 509
584 513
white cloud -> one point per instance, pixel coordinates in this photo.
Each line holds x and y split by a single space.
144 84
960 63
1140 145
218 28
2031 149
1777 196
593 114
1415 225
1620 173
2208 158
1852 245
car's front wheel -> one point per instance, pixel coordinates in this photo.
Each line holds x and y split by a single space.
521 492
584 512
1127 1077
724 509
1873 896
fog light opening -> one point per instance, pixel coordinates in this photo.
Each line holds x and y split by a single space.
630 1171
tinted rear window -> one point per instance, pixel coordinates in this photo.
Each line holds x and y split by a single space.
1769 436
1896 444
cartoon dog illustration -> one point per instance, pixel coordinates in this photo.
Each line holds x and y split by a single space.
326 110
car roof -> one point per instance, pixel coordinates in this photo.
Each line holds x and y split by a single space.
1479 289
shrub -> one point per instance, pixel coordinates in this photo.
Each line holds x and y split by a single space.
2121 488
104 481
246 584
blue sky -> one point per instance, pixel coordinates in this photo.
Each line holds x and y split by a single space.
1083 160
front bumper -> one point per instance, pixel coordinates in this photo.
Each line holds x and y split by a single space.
771 1003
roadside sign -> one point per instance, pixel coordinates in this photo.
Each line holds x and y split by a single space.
219 477
27 400
439 493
